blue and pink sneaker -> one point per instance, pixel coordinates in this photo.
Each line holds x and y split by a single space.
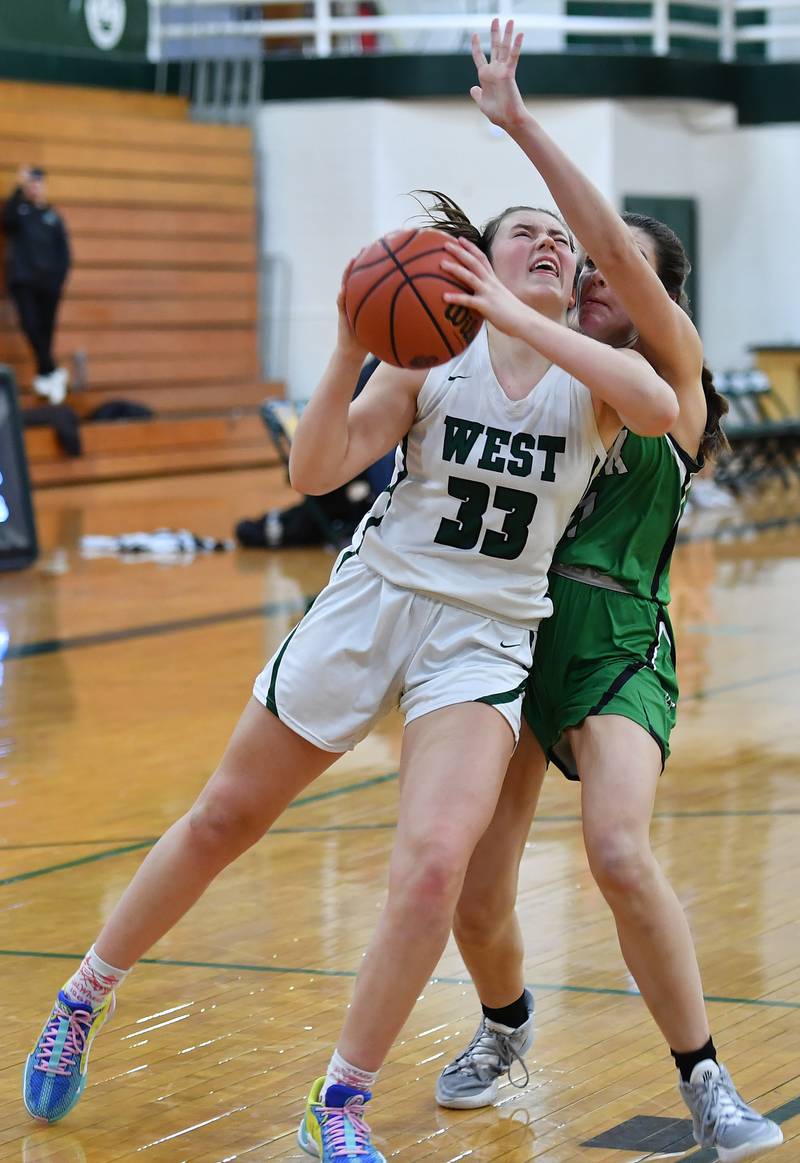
335 1131
55 1072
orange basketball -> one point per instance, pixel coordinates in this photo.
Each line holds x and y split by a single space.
393 299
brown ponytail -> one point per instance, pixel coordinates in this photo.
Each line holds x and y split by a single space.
714 439
446 215
673 270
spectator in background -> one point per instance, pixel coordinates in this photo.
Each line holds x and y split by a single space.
36 267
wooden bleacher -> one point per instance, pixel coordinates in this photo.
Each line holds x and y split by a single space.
163 293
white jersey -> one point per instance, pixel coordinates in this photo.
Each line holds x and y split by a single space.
483 489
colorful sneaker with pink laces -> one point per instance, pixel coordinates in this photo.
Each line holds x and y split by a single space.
55 1072
335 1131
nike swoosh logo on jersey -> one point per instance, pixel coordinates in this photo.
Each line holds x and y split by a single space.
451 378
510 645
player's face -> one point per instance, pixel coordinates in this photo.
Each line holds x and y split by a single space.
532 255
600 313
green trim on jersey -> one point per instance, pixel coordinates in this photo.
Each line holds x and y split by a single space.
627 522
370 521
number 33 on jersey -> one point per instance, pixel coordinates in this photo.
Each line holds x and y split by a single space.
483 488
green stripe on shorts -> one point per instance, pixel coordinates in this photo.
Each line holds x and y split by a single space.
504 696
271 705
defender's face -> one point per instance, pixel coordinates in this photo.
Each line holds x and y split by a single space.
600 313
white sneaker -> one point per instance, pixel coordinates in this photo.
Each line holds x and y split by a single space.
41 386
472 1079
722 1119
52 386
59 382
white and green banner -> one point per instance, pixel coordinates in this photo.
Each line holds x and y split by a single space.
85 28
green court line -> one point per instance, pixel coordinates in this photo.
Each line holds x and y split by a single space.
95 856
157 629
373 781
78 843
153 839
149 841
778 1114
313 971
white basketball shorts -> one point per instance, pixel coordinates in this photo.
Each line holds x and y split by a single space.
367 646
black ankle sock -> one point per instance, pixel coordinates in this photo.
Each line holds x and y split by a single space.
687 1062
513 1015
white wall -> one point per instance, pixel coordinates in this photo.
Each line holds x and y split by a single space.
335 175
750 232
745 181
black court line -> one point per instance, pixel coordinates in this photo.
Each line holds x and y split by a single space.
155 629
315 971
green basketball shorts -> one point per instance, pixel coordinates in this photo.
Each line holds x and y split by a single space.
601 653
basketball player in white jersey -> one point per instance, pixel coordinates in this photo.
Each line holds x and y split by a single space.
435 608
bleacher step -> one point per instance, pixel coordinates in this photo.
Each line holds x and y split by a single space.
128 448
173 400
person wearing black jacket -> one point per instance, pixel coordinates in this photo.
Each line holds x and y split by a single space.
37 263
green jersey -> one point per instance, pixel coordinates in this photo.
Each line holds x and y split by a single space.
623 532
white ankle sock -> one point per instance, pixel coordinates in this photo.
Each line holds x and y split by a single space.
344 1073
93 980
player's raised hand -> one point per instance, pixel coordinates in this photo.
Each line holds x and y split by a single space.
496 93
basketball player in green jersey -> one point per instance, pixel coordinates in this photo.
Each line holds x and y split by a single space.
602 698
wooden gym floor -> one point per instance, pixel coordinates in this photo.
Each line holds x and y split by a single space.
121 684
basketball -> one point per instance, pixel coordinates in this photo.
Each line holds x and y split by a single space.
393 299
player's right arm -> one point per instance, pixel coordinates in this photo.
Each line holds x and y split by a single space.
627 390
338 437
